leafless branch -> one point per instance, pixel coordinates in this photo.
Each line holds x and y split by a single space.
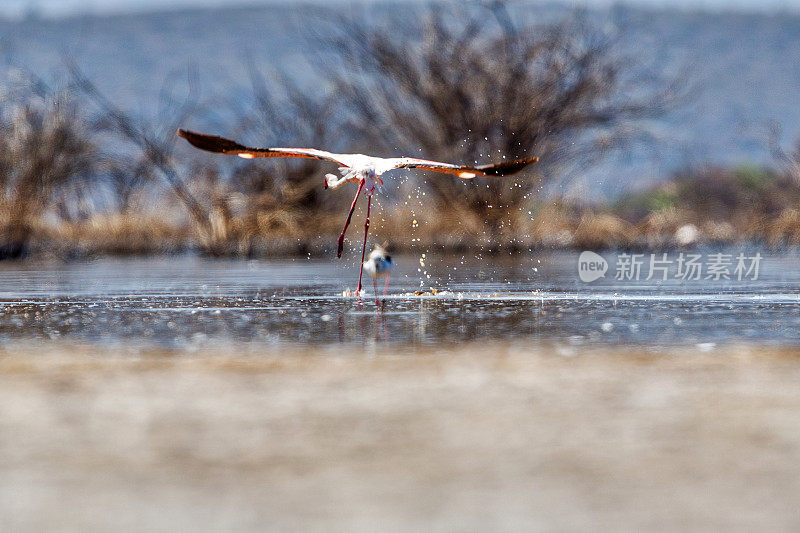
157 153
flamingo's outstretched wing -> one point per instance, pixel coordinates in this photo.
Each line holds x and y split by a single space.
466 172
220 145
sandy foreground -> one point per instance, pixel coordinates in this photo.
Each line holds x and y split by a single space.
477 437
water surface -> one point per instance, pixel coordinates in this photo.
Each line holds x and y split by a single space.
531 298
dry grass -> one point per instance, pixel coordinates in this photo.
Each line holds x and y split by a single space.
785 230
659 227
118 233
603 230
267 233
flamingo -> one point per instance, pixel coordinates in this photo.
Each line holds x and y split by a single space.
364 170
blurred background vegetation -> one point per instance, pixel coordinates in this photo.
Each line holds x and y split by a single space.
82 177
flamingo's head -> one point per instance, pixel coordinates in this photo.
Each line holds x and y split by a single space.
332 181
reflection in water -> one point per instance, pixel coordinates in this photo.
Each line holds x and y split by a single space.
193 302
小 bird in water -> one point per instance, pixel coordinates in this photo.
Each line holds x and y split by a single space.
364 170
379 265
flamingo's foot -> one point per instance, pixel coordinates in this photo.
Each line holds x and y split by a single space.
347 293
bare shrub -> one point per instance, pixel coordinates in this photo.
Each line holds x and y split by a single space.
45 147
718 193
463 89
788 161
284 113
155 151
258 200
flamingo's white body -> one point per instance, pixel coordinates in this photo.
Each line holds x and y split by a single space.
357 168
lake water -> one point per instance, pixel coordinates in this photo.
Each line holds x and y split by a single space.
191 303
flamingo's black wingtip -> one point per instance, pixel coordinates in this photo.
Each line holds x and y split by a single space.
506 168
212 143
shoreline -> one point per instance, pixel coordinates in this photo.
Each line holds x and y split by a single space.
324 247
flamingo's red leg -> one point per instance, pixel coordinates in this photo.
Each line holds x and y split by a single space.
347 223
364 247
386 284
